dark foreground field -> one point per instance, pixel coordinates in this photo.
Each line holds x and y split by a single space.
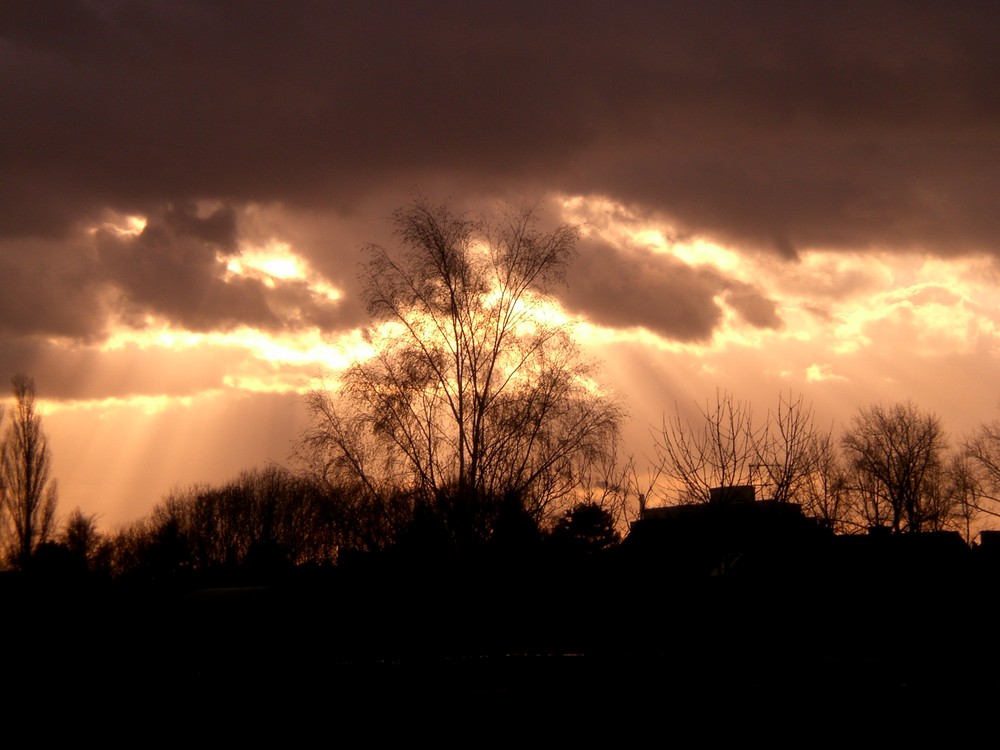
415 654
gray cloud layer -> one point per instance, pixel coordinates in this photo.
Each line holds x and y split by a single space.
775 125
175 269
638 288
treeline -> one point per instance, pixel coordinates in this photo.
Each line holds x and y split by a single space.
893 466
268 521
263 519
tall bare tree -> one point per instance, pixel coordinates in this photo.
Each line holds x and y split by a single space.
896 455
29 498
474 393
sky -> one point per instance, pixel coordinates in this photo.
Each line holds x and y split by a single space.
774 197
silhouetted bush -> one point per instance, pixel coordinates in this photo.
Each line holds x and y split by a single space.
586 528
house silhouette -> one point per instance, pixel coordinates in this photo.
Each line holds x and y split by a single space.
732 534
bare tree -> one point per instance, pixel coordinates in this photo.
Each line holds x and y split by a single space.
727 447
791 451
953 498
895 455
720 450
972 493
982 449
824 492
29 498
871 506
473 394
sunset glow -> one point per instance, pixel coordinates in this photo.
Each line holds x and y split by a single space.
846 305
177 274
394 365
122 226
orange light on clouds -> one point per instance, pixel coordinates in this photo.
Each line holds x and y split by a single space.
818 373
619 225
276 261
273 262
853 327
281 354
121 225
100 409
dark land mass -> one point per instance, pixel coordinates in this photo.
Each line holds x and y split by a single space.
723 620
829 632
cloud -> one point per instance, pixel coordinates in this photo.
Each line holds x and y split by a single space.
175 269
47 288
768 125
624 288
85 372
814 144
172 268
753 308
820 372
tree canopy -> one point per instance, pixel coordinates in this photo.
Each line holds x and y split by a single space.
896 456
475 392
29 497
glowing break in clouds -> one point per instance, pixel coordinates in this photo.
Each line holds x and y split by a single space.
828 303
146 347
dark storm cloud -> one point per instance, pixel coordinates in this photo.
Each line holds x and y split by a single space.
776 125
177 268
217 227
638 288
48 288
173 268
781 124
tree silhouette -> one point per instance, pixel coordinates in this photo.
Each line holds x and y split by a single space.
263 521
586 528
718 451
825 494
474 394
727 447
895 456
83 541
29 498
982 449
